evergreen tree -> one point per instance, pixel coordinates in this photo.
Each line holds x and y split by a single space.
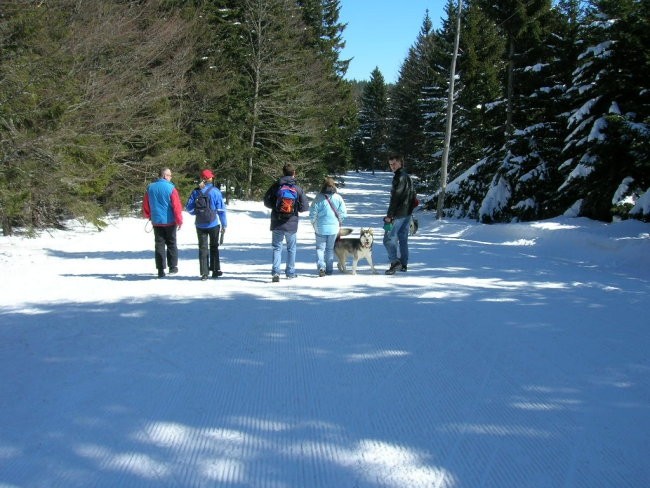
524 184
373 121
335 105
519 19
477 127
407 112
91 103
606 150
479 111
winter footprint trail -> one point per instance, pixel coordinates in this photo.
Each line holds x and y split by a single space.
506 357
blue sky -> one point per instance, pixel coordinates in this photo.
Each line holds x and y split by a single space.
380 32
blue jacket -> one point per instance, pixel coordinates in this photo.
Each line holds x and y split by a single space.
162 204
216 203
291 224
322 216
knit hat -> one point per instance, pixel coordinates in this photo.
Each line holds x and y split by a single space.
206 174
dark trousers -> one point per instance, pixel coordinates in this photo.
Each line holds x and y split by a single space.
166 249
209 249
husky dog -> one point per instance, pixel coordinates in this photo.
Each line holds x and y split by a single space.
357 247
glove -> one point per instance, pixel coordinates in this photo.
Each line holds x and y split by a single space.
388 224
223 231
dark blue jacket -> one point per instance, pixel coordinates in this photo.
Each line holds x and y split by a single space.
290 224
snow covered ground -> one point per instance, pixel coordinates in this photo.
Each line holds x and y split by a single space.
508 356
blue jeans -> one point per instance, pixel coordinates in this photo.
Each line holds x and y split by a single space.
398 236
278 236
325 252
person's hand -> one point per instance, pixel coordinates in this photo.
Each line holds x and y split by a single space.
388 220
178 227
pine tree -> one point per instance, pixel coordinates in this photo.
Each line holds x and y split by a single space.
519 19
335 105
478 118
407 112
606 149
524 184
373 120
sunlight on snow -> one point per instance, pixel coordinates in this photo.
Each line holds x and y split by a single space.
396 466
135 463
553 226
356 358
496 430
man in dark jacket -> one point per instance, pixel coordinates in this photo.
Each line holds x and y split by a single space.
285 227
162 205
398 216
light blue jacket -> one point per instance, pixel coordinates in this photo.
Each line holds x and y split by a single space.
322 216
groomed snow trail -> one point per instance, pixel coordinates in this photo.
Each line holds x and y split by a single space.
503 358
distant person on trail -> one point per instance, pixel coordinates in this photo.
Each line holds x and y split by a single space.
285 199
207 205
398 216
162 206
326 213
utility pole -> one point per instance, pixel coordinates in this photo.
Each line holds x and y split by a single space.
450 111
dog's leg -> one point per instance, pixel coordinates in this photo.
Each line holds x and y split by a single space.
355 261
372 266
340 258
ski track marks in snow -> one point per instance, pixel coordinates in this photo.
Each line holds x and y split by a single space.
508 356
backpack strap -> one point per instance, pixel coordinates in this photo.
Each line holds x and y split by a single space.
333 209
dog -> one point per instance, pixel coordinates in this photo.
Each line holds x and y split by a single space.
357 247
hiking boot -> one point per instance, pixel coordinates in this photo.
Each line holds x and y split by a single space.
395 265
292 276
173 270
403 268
276 278
216 274
204 277
161 273
321 272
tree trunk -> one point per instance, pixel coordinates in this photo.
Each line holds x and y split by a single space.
450 113
511 62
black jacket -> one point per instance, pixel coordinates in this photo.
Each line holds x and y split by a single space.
402 193
291 224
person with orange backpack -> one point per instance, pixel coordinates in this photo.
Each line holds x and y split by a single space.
286 200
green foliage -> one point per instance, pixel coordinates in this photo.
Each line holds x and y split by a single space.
96 97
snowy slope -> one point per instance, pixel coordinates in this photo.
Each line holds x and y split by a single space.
508 356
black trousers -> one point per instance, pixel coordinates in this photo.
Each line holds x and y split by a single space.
165 246
209 249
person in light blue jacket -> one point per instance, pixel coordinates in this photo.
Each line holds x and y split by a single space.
326 214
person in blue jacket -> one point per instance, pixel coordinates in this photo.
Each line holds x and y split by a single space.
327 213
162 206
208 225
